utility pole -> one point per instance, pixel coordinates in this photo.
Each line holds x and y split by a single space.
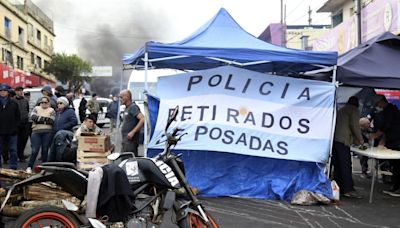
309 16
282 32
283 24
359 21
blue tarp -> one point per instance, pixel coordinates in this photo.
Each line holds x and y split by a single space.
223 38
226 174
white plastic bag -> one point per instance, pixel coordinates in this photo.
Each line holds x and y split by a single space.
335 190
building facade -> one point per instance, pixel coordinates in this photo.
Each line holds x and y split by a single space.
377 16
26 38
293 36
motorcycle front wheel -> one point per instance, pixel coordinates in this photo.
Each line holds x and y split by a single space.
48 216
193 220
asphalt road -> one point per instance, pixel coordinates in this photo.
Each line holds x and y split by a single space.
232 212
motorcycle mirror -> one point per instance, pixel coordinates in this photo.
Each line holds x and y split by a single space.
172 117
113 156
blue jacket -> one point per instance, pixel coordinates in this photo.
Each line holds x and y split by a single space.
65 120
112 110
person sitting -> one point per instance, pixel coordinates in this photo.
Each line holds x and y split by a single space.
88 127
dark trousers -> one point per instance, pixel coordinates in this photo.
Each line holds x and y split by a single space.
364 163
396 173
130 146
11 141
39 141
341 159
395 165
24 131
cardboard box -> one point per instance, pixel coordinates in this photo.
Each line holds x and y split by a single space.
94 143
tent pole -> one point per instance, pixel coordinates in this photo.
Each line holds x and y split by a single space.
146 66
333 123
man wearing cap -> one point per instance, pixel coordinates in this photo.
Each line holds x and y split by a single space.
390 130
24 126
93 105
88 126
9 120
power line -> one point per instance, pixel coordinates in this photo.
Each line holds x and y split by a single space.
295 8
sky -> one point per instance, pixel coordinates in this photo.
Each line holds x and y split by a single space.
101 31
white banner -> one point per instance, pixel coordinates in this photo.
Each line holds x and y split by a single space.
101 71
234 110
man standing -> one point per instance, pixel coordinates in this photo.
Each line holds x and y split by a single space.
390 130
93 106
82 108
24 126
347 128
112 113
132 123
9 120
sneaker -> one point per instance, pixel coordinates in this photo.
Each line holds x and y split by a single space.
352 194
392 191
395 193
29 170
365 175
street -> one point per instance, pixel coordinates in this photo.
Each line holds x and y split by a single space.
238 212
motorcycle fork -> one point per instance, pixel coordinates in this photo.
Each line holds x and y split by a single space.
182 179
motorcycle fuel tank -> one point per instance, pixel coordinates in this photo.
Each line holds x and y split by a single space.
147 170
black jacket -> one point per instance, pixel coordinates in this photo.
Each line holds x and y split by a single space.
9 118
23 105
115 194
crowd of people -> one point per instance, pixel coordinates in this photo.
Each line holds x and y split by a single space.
53 114
380 128
42 120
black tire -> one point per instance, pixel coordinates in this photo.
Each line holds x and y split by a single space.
193 220
47 214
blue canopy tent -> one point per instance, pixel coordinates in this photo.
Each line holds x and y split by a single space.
219 42
374 63
222 41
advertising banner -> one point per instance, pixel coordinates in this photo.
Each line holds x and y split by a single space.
233 110
377 17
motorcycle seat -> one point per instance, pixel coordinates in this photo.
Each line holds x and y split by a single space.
66 165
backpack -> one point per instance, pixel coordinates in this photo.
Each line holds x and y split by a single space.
61 150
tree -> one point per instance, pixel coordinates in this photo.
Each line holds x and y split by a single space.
69 69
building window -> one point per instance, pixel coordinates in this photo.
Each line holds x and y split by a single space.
337 18
20 62
46 64
39 35
8 58
32 58
38 62
21 36
7 27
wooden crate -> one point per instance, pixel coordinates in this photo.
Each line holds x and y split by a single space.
90 160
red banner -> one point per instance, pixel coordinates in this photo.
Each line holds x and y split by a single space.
16 78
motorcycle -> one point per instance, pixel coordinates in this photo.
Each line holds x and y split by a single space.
158 184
